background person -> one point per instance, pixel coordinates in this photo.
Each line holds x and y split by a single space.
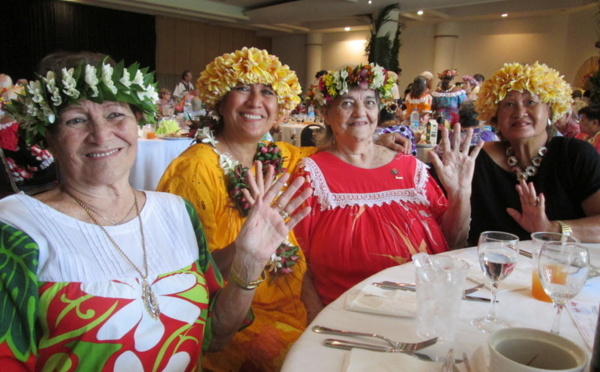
184 86
531 180
94 264
448 97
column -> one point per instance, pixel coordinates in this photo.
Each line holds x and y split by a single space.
314 45
445 48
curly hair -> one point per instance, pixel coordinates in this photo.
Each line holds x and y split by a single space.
537 79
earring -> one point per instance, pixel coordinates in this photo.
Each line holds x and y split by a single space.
549 122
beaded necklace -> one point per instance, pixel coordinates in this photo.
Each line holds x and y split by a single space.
530 170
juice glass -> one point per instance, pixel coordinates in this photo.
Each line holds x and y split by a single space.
538 239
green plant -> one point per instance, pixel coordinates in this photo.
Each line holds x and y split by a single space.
382 49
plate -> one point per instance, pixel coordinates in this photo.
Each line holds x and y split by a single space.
174 138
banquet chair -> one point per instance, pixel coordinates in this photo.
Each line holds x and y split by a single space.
9 186
307 136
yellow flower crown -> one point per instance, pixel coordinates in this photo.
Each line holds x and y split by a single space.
536 79
249 66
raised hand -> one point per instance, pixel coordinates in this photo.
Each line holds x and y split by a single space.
456 165
533 209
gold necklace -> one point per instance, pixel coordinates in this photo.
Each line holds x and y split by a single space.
115 223
148 296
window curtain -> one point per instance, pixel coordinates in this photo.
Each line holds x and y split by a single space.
35 28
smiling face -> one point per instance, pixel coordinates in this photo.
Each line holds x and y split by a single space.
249 111
95 144
353 116
521 115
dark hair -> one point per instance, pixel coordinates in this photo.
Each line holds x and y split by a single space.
479 78
418 87
446 82
592 112
320 73
385 115
55 62
467 117
184 73
576 94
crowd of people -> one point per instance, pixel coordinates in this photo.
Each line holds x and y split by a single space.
246 240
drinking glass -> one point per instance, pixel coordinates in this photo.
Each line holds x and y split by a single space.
498 255
563 269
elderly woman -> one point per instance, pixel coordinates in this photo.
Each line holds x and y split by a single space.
530 180
373 208
448 97
97 275
249 90
470 86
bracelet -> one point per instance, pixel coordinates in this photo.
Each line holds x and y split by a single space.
248 286
565 228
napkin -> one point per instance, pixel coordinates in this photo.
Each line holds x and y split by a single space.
359 360
584 310
520 278
375 300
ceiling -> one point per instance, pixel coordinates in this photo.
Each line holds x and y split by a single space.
303 16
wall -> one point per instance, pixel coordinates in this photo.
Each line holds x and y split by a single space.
188 45
562 41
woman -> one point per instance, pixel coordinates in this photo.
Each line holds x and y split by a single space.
590 124
470 85
419 99
97 275
448 97
530 180
373 208
166 104
249 90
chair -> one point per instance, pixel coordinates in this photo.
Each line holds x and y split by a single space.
7 182
8 185
307 136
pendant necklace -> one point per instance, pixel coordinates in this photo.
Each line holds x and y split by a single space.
148 296
530 170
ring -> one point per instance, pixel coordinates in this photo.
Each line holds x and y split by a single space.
285 215
279 206
536 202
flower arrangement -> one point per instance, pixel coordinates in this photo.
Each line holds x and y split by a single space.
448 74
286 256
38 106
536 79
249 66
336 83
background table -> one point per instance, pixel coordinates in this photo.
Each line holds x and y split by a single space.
153 157
290 133
517 307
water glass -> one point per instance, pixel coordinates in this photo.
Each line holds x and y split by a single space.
439 295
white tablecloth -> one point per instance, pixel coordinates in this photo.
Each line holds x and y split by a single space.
517 307
153 157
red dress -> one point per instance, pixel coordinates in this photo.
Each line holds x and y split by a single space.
365 220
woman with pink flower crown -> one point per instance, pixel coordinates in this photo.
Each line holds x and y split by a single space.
98 276
373 208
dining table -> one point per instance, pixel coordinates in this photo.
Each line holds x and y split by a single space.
392 314
153 158
291 133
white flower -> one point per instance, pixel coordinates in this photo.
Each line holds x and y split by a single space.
207 136
149 92
35 89
125 79
129 361
107 72
91 79
148 331
227 163
274 263
69 83
378 77
138 79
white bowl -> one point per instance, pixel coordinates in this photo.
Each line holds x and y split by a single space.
532 350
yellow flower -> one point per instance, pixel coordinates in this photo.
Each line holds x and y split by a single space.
249 66
536 79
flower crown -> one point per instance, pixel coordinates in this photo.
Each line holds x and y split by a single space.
448 73
471 80
536 79
41 101
249 66
335 83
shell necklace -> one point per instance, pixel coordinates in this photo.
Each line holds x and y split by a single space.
148 296
530 170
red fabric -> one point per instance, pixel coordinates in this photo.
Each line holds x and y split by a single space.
8 137
384 225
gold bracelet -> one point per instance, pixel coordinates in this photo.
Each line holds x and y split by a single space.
248 286
565 228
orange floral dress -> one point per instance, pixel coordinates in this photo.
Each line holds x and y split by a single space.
280 315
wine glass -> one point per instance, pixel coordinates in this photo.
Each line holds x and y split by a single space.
563 269
498 255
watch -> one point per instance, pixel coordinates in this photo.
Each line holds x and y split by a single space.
565 228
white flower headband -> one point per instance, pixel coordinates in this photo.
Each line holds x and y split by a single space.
38 106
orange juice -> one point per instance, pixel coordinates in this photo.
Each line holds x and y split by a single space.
151 135
559 276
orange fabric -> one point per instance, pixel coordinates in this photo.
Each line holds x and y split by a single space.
280 316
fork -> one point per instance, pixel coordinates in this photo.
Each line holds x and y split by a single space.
400 346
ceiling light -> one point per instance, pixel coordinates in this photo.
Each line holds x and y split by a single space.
347 28
504 15
370 2
420 12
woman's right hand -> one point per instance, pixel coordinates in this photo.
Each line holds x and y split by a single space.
272 217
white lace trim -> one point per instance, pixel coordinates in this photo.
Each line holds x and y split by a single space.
6 125
415 101
329 200
450 94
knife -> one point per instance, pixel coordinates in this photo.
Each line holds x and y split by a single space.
349 345
412 288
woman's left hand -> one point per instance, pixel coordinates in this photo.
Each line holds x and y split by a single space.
271 217
533 206
455 168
